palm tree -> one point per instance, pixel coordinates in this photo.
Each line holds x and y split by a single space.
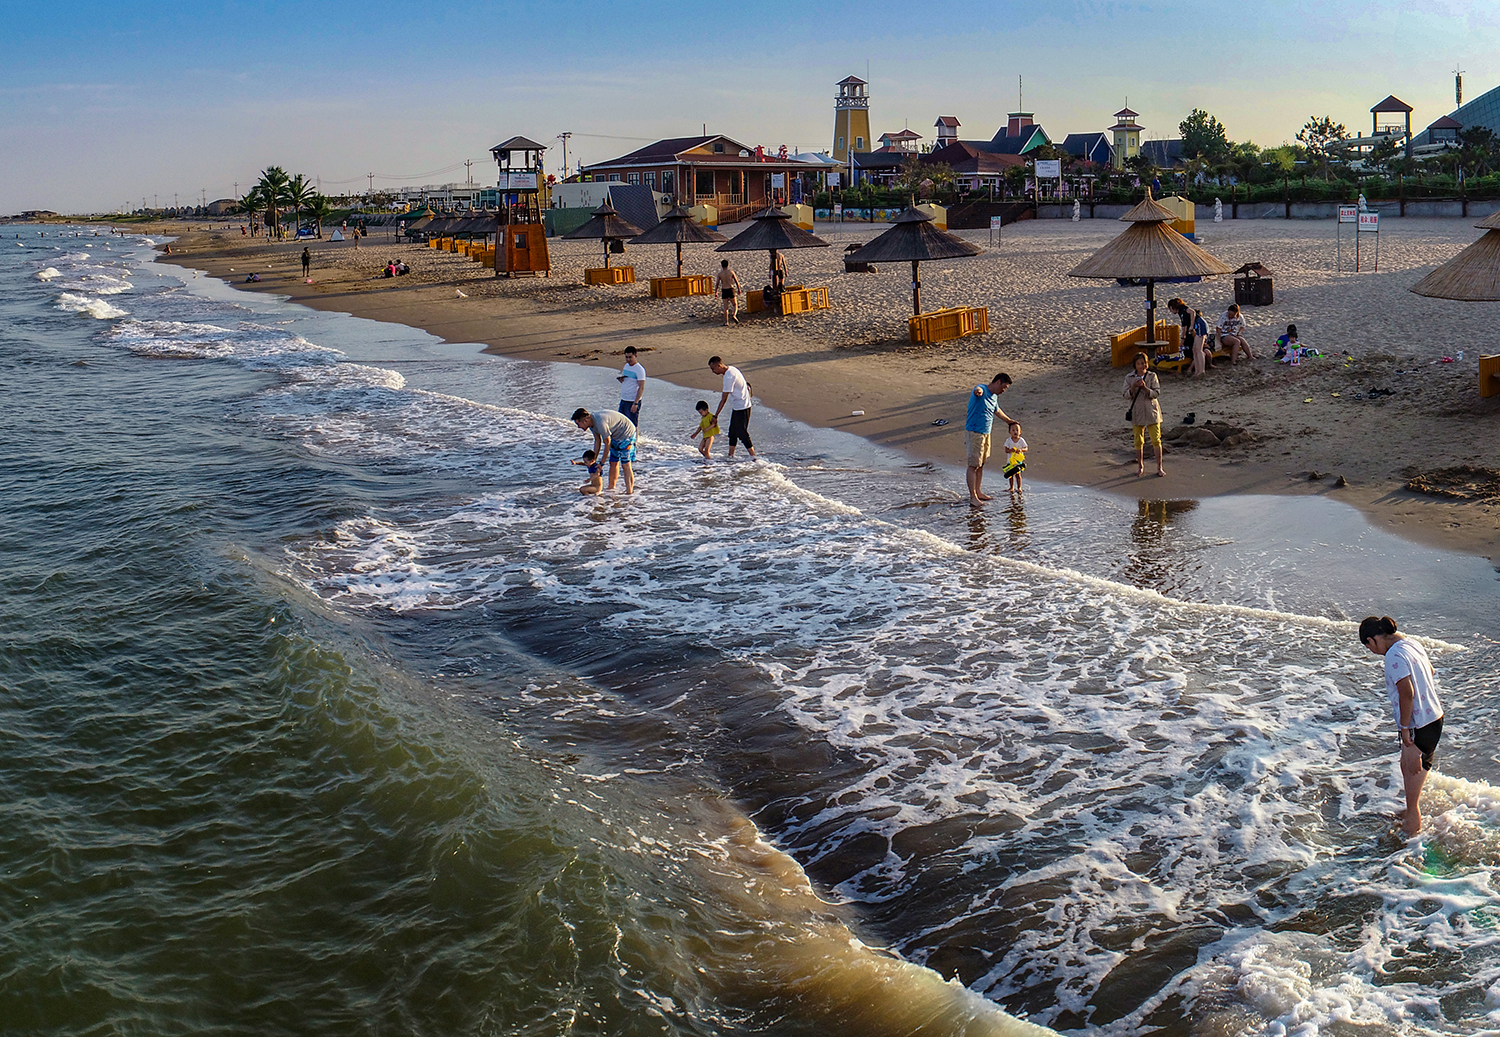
272 186
319 208
298 192
252 204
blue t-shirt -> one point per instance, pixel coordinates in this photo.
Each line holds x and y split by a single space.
982 410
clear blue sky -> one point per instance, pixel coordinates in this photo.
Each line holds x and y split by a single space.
101 104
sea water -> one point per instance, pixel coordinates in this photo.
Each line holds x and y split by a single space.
329 706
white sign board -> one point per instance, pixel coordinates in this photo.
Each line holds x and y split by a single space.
994 223
833 179
523 181
1348 213
1049 168
1369 221
778 179
838 209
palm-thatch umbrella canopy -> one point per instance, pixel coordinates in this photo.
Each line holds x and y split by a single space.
913 239
1150 249
676 227
771 231
607 225
1471 276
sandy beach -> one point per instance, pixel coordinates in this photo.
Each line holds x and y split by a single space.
1309 429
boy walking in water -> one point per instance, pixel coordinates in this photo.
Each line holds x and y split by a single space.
708 428
1015 457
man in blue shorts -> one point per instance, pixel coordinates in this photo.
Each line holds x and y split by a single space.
984 404
614 428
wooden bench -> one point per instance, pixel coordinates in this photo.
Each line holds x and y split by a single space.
1124 346
954 322
677 287
609 275
1489 375
1161 364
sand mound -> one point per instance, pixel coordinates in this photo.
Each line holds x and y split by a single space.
1460 482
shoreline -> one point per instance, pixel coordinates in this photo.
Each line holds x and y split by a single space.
1064 402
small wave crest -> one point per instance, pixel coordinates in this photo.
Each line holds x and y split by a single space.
48 274
96 308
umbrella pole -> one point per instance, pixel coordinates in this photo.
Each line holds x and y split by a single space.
606 253
916 289
679 259
1150 309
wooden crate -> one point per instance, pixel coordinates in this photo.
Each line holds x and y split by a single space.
609 275
1489 375
1124 346
433 242
794 299
484 257
954 322
678 287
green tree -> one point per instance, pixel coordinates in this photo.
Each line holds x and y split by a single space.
299 191
1203 136
252 204
921 178
1321 137
272 187
1142 166
1477 146
319 208
1381 154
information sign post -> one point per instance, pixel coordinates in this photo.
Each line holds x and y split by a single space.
1347 214
994 229
1369 223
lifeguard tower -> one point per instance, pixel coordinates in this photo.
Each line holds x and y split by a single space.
522 237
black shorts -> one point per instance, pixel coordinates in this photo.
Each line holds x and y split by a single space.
739 428
1426 739
726 293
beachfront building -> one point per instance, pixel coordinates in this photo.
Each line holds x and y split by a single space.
714 170
1483 111
1089 147
449 196
947 130
851 118
972 166
1127 134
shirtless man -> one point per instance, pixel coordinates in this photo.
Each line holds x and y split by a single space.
729 287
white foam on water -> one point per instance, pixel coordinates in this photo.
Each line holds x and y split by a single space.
97 308
48 273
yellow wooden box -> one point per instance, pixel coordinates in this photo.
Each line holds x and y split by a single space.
1489 375
609 275
678 287
485 257
433 242
955 322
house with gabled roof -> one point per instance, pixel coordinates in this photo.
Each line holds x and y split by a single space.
947 130
713 169
1089 147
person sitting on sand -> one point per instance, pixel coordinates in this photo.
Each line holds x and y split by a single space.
1412 687
708 428
596 473
402 268
1287 344
1232 334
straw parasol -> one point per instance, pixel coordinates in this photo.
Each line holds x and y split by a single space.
913 239
1471 276
675 228
607 225
1150 249
771 231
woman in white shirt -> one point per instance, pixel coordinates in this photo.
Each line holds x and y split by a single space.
1413 689
1232 334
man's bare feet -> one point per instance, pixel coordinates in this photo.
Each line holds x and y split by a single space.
985 496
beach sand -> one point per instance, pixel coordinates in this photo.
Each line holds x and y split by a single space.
1307 427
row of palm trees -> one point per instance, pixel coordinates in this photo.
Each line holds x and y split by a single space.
276 193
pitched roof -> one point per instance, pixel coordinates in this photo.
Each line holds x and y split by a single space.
1447 122
662 151
1004 144
852 81
1125 113
947 120
901 135
962 156
519 144
1082 144
1162 152
1392 103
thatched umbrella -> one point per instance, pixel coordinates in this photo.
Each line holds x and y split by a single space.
771 231
1150 249
676 227
607 225
913 239
1471 276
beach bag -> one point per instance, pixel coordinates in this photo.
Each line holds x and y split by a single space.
1130 411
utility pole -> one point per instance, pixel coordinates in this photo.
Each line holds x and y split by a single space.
1458 87
372 182
564 137
236 190
468 171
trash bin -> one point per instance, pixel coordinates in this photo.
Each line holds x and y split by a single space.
1252 285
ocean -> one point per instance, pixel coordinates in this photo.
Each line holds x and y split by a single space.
328 706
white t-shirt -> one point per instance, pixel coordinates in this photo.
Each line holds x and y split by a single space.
634 376
737 388
1407 658
1016 444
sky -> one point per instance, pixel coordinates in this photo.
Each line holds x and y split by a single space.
104 105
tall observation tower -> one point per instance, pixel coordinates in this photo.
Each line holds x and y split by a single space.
851 118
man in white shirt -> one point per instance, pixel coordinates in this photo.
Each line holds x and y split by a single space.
737 395
632 381
1416 707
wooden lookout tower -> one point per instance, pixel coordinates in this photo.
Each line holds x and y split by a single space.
522 237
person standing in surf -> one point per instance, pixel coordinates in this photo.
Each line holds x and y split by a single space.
984 404
1413 689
